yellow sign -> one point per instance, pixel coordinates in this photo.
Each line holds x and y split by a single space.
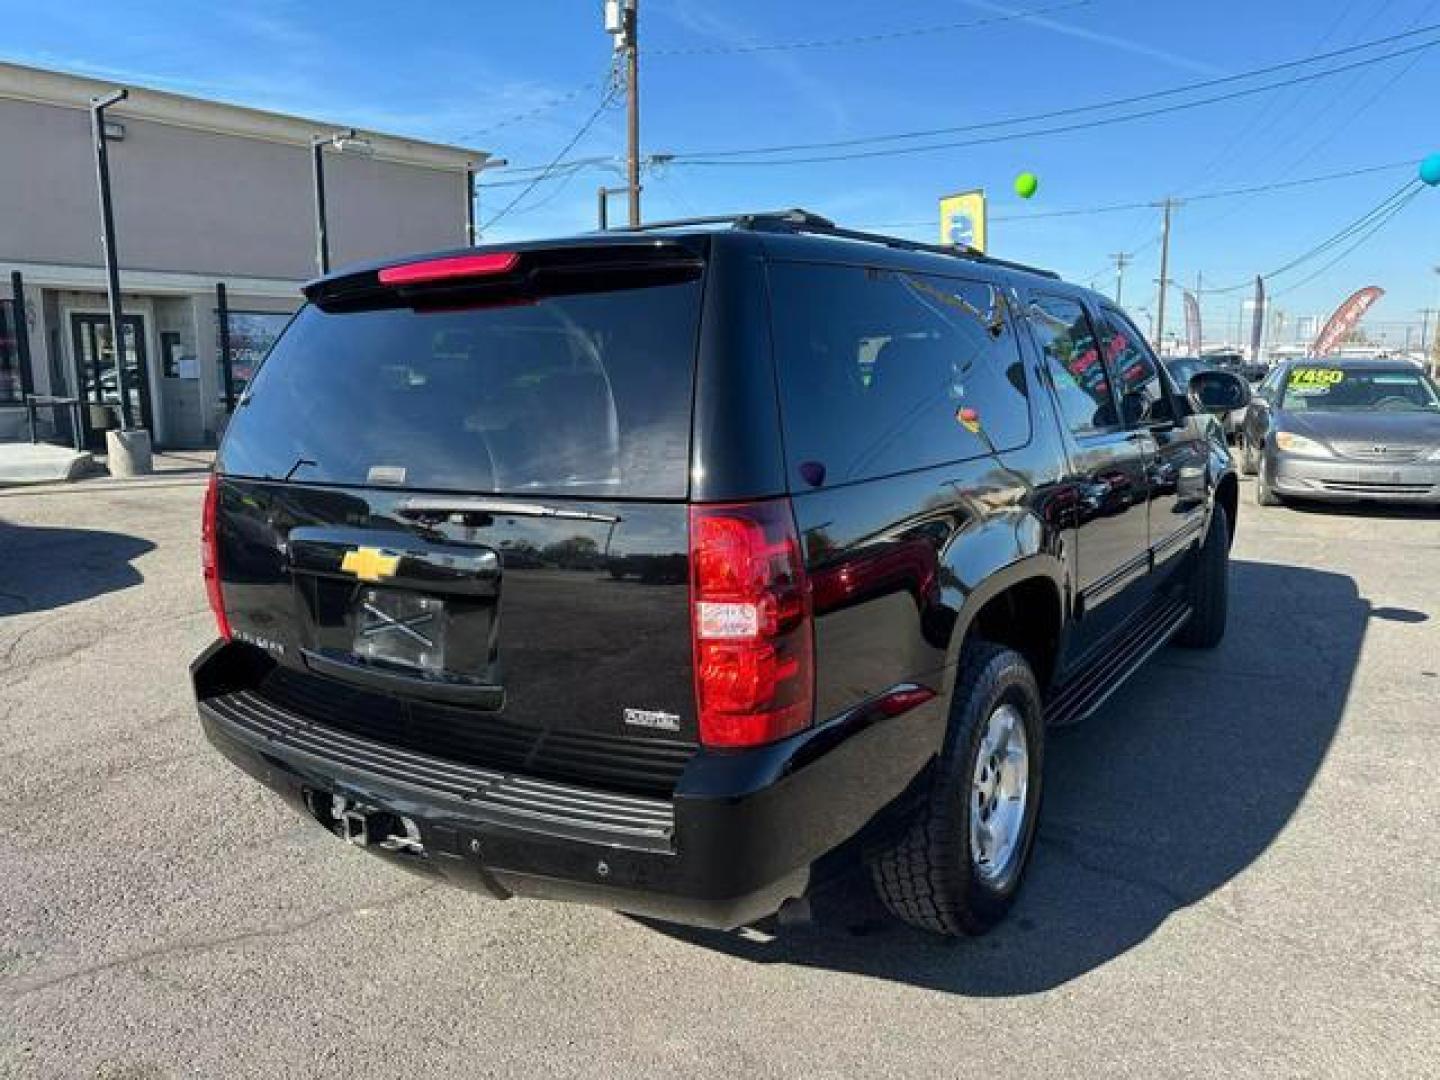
370 564
962 220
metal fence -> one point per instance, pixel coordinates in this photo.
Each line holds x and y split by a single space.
62 422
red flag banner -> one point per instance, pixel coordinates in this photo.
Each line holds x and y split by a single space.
1192 324
1347 316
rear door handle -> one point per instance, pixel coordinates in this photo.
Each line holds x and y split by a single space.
403 558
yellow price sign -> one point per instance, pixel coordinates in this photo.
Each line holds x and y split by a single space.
1316 377
963 220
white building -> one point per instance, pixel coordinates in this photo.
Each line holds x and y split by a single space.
205 194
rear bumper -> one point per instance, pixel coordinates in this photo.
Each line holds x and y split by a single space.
1345 481
740 836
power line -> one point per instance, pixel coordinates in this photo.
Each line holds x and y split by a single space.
1256 120
605 100
693 159
1333 128
531 113
1146 204
1374 228
1400 196
1133 99
521 175
867 39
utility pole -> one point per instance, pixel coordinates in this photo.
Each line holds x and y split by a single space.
1434 361
622 22
632 125
107 239
1122 260
1167 206
1425 314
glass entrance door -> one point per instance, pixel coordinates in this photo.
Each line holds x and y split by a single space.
95 364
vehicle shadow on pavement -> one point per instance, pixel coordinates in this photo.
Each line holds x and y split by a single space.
1181 781
44 568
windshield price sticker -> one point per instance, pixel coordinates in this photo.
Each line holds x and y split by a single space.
1316 377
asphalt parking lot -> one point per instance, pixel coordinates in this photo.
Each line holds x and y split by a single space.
1238 871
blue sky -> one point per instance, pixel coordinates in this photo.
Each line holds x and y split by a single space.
463 71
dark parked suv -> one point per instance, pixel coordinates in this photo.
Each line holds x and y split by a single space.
675 570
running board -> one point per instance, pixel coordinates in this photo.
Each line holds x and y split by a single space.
1087 690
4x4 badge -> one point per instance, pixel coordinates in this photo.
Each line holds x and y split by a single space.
370 564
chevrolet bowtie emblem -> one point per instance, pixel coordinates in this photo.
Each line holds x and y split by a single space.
370 564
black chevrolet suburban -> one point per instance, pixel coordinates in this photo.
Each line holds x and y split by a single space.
676 569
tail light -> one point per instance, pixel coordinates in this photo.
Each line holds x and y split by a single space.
210 555
751 619
486 264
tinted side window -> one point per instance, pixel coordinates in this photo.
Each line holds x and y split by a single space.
1143 399
1072 357
883 371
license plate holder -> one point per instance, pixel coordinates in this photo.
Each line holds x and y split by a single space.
398 627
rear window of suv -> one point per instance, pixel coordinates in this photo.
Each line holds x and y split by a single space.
586 395
884 371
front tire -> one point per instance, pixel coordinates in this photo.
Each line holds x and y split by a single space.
1264 493
958 866
1248 465
1209 587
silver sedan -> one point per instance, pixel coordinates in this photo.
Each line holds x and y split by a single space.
1344 430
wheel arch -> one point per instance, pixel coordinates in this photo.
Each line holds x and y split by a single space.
1023 607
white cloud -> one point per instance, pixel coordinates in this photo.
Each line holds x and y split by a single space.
700 18
1110 40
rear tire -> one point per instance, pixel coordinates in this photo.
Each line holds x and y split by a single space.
1209 587
936 876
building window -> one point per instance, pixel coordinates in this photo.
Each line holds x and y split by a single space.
11 383
251 335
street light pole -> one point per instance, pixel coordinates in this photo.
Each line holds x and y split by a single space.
322 239
470 196
344 142
98 106
472 202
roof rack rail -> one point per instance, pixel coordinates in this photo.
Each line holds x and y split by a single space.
797 220
775 220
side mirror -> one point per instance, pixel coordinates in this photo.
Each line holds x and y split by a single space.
1220 392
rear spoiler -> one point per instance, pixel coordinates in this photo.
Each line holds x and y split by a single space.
480 277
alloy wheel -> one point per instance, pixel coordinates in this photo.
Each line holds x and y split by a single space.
1000 797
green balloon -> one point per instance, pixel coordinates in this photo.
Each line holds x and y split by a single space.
1026 184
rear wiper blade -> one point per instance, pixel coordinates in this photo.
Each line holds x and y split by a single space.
422 508
300 463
